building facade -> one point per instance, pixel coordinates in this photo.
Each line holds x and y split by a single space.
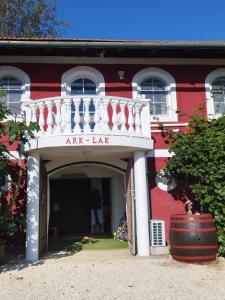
99 148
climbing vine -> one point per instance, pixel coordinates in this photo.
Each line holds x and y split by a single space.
12 173
198 165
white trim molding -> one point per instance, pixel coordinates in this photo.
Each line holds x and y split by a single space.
159 153
79 72
19 74
208 88
170 88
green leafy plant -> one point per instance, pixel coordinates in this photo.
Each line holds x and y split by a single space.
12 173
198 165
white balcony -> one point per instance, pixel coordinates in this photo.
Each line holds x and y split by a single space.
89 121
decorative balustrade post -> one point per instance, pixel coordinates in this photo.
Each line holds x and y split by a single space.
114 104
123 116
58 118
145 120
130 117
76 118
49 118
67 128
87 118
33 112
96 102
41 121
105 114
138 106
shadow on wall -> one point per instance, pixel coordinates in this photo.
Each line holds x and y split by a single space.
178 193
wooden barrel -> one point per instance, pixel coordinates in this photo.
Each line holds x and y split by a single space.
193 238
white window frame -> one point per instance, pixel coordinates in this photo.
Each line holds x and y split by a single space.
169 80
208 89
10 71
82 72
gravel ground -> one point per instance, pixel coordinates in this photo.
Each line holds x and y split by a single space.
111 275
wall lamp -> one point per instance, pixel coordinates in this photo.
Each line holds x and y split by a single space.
121 74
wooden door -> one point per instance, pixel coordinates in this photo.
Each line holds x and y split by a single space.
131 207
43 184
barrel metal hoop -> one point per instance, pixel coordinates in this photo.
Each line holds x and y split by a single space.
193 247
193 229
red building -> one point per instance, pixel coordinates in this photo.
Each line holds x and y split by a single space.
99 148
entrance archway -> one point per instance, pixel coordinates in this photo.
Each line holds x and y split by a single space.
72 207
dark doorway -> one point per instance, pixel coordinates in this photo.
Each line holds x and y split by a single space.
70 207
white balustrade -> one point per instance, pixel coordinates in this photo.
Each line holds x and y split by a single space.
87 118
130 117
67 115
123 116
41 121
33 112
49 118
114 104
97 127
58 118
76 129
105 115
137 118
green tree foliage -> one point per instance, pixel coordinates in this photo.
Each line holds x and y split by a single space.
12 174
198 164
29 18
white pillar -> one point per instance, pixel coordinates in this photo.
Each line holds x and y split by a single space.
32 226
142 215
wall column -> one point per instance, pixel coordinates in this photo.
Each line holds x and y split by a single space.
32 218
142 215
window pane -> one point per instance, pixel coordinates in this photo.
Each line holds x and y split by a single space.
14 108
158 85
14 96
219 108
155 89
218 95
147 94
12 87
77 87
83 86
160 97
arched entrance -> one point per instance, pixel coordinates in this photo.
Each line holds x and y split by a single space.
121 182
85 198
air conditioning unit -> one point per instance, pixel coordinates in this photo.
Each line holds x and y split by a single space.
157 229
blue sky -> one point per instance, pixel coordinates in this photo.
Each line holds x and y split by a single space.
144 19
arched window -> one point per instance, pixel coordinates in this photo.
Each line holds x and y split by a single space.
154 89
215 93
218 95
15 87
83 80
12 93
159 88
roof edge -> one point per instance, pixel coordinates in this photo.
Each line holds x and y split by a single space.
79 43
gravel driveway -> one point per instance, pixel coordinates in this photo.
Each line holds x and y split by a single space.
111 275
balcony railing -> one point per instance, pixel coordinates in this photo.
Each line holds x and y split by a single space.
89 114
